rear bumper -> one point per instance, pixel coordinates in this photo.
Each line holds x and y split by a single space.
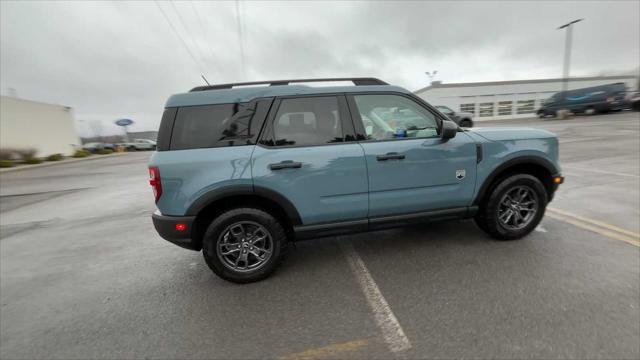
167 227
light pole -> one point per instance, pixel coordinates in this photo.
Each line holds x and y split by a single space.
567 53
431 75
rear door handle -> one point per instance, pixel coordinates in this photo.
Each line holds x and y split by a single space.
390 156
287 164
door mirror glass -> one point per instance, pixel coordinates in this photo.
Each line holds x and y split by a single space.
449 130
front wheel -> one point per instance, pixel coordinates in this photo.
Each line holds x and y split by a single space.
244 245
466 123
514 208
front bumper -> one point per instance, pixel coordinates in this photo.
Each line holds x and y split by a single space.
176 229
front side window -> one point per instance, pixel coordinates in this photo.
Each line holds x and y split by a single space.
308 121
445 110
392 116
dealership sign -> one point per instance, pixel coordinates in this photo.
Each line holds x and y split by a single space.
124 122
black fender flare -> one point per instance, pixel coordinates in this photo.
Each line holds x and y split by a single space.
537 160
243 190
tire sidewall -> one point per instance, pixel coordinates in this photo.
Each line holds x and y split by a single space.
490 213
210 248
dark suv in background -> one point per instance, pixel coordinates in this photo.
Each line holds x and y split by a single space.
602 98
463 119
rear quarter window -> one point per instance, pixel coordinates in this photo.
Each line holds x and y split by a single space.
218 125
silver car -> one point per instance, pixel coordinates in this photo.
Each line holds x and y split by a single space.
464 119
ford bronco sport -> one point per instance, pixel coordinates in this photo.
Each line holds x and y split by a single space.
241 171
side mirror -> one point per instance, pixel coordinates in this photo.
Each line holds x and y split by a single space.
449 129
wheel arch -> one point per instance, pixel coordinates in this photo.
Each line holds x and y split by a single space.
213 203
538 167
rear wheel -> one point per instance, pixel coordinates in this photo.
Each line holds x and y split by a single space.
244 245
514 208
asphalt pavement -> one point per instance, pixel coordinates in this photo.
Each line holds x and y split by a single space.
83 274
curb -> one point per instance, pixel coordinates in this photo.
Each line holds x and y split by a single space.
52 163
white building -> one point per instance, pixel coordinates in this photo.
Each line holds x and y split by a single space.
28 124
508 99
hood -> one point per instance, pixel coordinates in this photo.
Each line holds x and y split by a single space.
502 134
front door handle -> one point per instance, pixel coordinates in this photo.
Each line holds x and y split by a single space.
287 164
390 156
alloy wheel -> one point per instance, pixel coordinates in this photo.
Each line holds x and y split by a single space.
244 246
518 207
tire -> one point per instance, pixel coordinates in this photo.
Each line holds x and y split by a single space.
132 148
590 111
466 123
220 232
488 215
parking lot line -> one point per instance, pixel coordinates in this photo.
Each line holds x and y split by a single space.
599 227
392 332
330 351
569 167
596 222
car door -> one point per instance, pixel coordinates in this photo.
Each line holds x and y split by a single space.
410 168
308 154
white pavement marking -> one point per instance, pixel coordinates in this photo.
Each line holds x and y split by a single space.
569 167
385 319
539 228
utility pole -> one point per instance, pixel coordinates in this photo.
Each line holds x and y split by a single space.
567 53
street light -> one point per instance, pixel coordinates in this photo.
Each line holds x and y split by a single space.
431 75
567 53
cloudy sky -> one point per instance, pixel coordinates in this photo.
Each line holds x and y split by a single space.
117 59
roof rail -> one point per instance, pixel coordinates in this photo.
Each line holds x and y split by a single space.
356 81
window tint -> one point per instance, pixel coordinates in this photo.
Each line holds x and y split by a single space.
308 121
217 125
393 116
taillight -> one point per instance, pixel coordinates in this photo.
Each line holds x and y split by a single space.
154 181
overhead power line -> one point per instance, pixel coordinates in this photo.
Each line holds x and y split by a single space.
189 34
186 47
203 30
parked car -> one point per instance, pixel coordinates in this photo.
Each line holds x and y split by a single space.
241 172
95 146
602 98
632 101
139 144
464 119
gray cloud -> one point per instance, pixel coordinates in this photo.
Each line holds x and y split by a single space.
121 59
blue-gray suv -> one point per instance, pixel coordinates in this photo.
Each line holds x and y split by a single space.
242 170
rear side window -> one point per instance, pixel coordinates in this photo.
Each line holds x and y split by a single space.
308 121
218 125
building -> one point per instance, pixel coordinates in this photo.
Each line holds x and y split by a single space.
148 135
508 99
26 124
